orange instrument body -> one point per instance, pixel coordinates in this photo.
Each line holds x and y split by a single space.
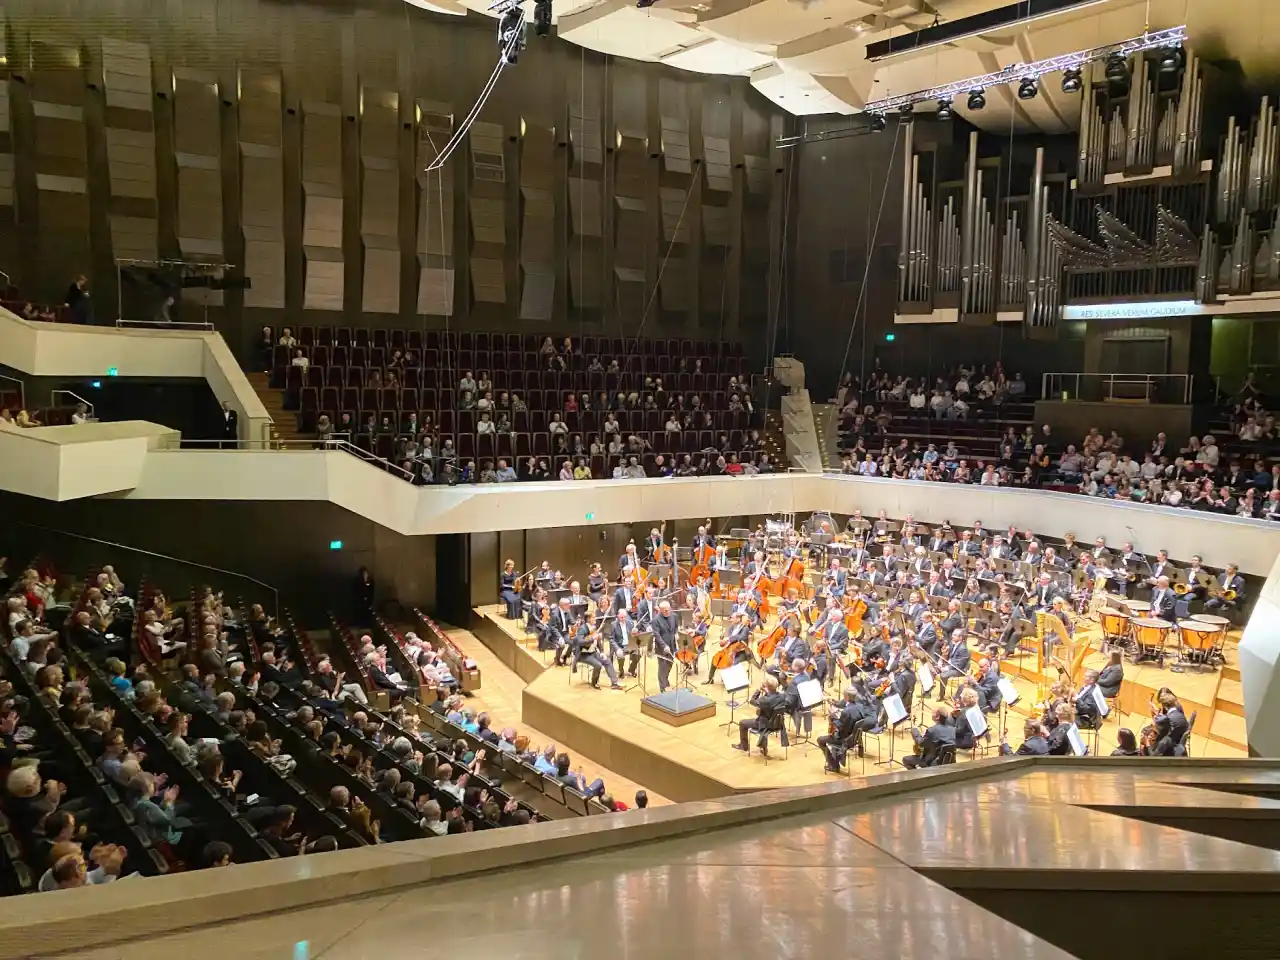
854 611
689 654
723 657
766 647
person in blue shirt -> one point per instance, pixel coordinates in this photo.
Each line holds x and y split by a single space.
546 762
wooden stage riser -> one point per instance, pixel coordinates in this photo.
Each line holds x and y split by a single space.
527 664
662 774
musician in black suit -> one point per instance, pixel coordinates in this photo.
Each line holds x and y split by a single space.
1034 743
1088 716
629 560
930 743
1161 568
771 706
653 546
586 649
618 633
644 609
837 637
927 636
623 596
937 586
560 630
1162 599
1059 743
1229 579
1112 675
857 714
792 647
740 632
665 627
954 620
510 596
703 539
1045 593
989 685
955 660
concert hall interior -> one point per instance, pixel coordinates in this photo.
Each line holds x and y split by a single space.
558 478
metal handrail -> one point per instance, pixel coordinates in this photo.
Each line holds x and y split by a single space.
77 398
22 389
331 443
1052 385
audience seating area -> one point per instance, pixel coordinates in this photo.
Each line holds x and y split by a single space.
413 395
195 738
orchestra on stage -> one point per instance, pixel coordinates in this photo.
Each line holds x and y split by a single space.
860 622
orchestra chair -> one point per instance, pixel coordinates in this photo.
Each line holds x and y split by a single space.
1186 737
868 735
946 755
779 727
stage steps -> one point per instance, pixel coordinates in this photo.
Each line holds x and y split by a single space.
1229 729
1230 697
284 425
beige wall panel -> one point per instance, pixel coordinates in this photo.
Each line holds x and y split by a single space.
381 281
324 285
264 265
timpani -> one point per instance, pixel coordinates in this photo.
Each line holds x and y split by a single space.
1137 608
1197 641
1220 641
1150 634
1115 624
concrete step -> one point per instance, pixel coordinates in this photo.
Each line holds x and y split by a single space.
1229 728
1230 697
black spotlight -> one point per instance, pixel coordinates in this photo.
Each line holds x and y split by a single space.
509 39
1028 88
1117 69
977 99
878 123
542 17
907 112
944 110
1171 60
1072 81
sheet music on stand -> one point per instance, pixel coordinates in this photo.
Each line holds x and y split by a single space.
684 617
553 596
925 675
659 571
735 678
1073 738
1103 707
894 711
977 722
1008 691
811 694
721 607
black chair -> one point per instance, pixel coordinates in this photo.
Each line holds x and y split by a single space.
946 755
1185 742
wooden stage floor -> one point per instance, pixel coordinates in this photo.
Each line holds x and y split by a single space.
697 762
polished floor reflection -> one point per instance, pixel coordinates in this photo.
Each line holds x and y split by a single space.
851 881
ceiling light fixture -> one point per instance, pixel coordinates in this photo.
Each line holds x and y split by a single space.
977 99
878 123
1028 88
1017 72
907 112
944 110
1072 81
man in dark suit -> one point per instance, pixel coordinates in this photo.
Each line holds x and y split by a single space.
483 731
1088 716
1162 599
665 626
857 715
941 734
770 704
989 685
954 620
937 586
230 426
586 649
1045 592
378 677
623 596
1229 579
559 630
955 662
1034 743
617 632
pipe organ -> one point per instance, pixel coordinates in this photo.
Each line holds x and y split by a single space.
1159 199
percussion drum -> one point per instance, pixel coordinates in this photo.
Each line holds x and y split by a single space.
1150 634
1137 608
1115 623
1197 637
1220 622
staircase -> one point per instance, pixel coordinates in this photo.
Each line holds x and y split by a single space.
826 421
772 441
284 422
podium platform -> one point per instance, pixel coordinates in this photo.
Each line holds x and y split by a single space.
678 706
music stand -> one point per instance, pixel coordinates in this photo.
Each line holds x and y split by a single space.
811 694
894 714
734 678
1008 697
720 607
730 578
639 641
659 571
684 616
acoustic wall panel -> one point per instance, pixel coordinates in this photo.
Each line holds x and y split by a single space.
197 138
126 72
322 205
131 150
380 202
435 211
262 188
537 226
6 153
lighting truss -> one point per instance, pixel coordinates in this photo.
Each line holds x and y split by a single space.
1172 37
512 45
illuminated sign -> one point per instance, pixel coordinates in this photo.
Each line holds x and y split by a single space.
1133 311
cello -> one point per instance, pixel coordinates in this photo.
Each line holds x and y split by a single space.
689 655
766 647
724 657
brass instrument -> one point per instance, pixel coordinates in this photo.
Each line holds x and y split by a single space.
1227 595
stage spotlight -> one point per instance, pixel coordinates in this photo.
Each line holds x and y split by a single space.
1171 60
907 112
1072 81
878 123
509 39
1117 69
944 110
542 18
1028 88
977 99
